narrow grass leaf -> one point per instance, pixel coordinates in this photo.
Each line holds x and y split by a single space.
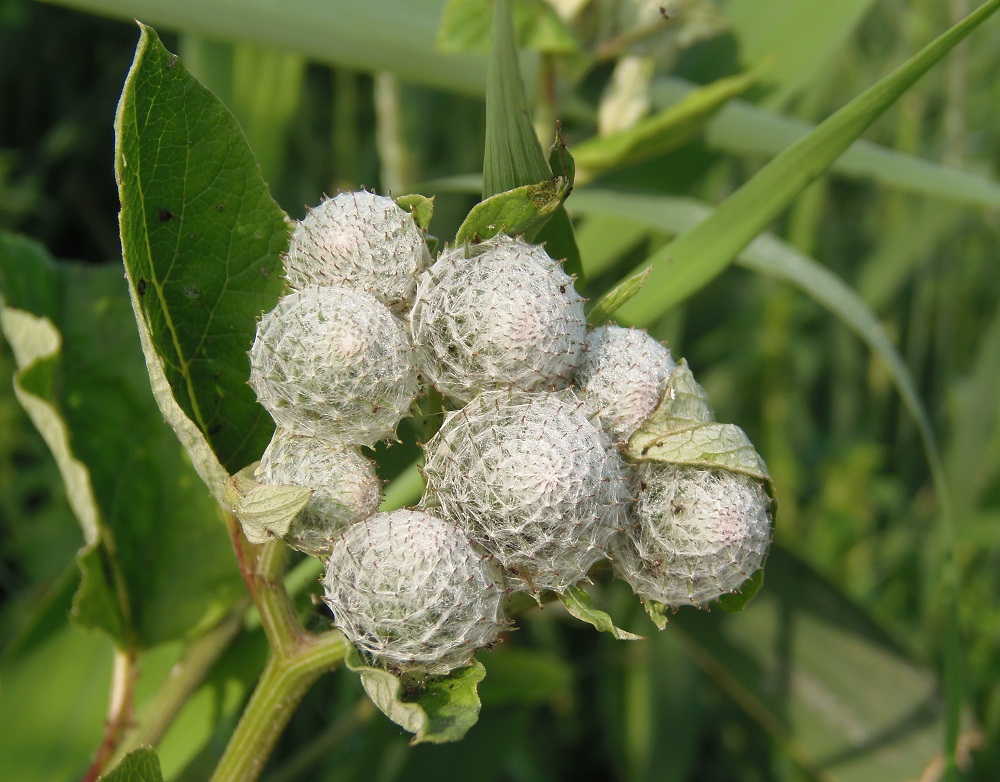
611 301
663 132
694 258
744 128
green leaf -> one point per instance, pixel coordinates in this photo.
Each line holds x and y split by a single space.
421 208
515 212
465 27
744 128
657 612
684 404
513 157
683 430
835 692
142 765
577 602
437 709
693 259
145 516
561 162
713 446
663 132
609 303
265 511
201 239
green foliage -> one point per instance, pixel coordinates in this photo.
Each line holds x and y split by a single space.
843 665
144 514
201 240
435 709
139 766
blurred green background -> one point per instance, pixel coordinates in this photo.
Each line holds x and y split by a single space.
367 98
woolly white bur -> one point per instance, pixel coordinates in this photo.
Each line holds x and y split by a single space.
345 487
358 240
533 480
412 592
622 377
333 363
698 533
498 314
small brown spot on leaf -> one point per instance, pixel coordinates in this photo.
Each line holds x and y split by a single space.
163 215
141 287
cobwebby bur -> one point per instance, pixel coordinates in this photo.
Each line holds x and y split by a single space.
696 534
358 240
622 377
344 485
494 315
534 481
526 485
333 362
412 592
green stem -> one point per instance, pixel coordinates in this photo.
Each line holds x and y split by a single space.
277 613
284 682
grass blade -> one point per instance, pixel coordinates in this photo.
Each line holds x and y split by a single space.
694 258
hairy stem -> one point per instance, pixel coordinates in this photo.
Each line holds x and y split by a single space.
284 682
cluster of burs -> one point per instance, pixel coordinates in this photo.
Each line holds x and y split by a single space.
526 484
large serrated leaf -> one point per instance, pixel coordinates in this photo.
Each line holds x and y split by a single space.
440 709
201 238
156 562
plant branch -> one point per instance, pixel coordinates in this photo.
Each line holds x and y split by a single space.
284 682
